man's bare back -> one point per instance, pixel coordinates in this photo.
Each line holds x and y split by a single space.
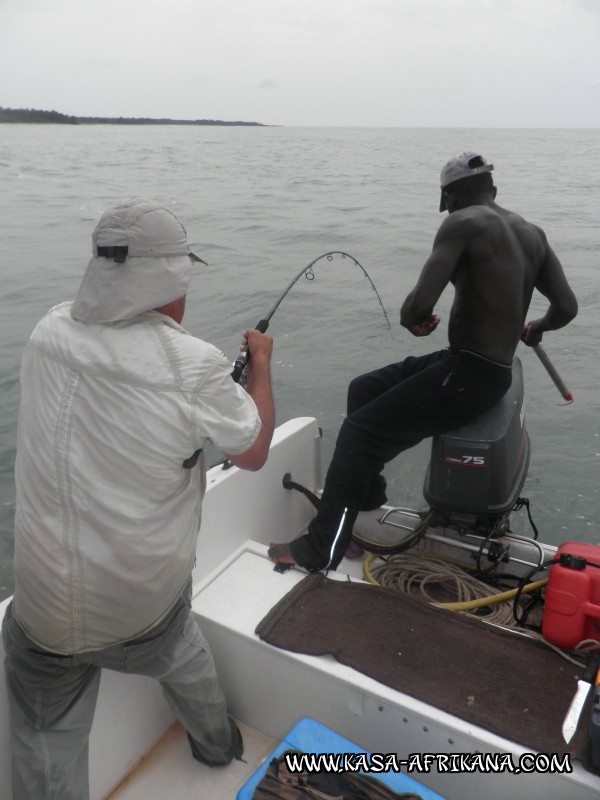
495 259
494 280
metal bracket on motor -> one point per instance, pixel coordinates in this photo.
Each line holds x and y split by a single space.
408 512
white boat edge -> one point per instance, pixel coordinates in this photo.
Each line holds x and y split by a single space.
268 689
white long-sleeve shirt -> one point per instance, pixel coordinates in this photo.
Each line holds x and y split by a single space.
107 518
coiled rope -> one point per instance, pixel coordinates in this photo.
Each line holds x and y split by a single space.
427 575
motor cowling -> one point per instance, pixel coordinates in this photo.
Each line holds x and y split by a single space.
476 472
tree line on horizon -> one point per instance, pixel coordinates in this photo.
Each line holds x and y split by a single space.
36 116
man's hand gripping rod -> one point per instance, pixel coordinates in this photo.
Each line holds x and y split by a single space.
239 364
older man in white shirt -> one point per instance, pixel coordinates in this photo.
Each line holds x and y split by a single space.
118 401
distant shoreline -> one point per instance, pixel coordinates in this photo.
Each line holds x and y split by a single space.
35 116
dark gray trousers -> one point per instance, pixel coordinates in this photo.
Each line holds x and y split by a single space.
52 700
390 410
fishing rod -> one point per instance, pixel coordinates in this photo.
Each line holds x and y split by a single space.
551 370
263 324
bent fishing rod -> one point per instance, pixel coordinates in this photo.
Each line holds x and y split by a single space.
242 360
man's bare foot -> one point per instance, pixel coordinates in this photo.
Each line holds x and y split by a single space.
281 553
354 551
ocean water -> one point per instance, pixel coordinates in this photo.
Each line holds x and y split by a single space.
261 203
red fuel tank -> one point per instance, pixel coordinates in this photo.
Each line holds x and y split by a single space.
572 599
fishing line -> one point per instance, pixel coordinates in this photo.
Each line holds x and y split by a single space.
307 271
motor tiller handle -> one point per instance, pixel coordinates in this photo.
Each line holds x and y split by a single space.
551 370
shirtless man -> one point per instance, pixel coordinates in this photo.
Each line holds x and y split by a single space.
495 259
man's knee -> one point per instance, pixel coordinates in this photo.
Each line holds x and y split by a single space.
359 392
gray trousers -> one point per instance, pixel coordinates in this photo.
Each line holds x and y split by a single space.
52 700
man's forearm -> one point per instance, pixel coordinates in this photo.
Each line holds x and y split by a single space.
260 390
554 319
413 314
557 317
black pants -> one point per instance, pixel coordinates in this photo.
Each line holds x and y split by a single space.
390 410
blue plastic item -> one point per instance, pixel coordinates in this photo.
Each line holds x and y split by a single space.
309 736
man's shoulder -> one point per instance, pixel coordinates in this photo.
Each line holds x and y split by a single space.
192 358
486 218
57 312
477 213
146 350
467 222
184 341
56 322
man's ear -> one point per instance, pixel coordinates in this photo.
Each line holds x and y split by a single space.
494 192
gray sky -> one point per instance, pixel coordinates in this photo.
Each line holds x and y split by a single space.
471 63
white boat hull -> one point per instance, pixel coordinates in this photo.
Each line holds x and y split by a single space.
270 689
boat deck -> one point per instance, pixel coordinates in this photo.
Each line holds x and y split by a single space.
271 689
169 770
136 750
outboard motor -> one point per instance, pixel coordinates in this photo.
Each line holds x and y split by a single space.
473 481
476 472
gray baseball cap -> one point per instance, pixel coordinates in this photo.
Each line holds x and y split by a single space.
463 165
